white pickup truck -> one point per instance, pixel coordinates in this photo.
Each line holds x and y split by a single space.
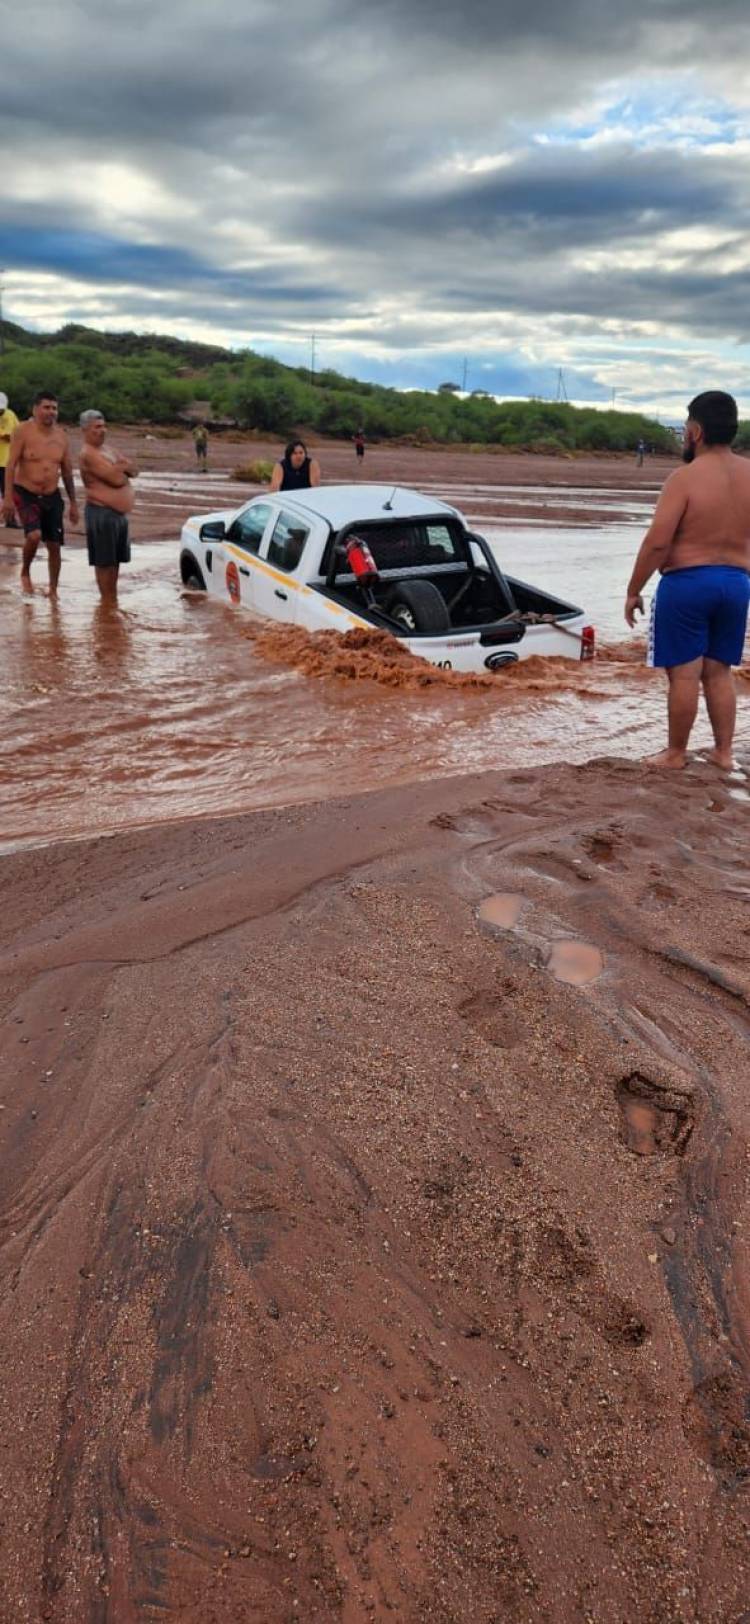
345 556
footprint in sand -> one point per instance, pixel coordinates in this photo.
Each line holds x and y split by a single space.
654 1120
502 910
576 963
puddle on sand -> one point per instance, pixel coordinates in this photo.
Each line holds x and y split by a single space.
502 910
640 1122
654 1120
575 962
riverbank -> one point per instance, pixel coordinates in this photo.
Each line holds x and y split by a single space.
363 1258
514 484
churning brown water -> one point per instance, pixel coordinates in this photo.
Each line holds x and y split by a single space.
173 708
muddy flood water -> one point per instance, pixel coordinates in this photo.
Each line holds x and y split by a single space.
175 708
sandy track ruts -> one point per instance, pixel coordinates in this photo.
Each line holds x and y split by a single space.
331 1284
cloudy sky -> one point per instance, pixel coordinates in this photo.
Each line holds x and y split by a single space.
520 187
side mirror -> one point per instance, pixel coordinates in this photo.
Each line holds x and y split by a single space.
213 530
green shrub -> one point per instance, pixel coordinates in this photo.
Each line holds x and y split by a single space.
254 473
549 445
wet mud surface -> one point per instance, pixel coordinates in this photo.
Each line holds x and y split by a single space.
354 1266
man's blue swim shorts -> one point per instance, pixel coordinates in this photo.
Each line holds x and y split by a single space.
699 611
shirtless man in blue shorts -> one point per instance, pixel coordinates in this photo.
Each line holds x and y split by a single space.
699 541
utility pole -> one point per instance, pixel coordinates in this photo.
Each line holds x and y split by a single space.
612 405
562 393
463 384
312 357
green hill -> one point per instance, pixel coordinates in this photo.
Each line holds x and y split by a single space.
147 378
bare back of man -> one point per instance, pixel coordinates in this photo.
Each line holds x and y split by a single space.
714 524
39 458
699 541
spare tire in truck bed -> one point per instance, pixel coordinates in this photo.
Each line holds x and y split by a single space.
418 607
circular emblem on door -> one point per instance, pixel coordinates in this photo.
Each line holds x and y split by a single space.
233 582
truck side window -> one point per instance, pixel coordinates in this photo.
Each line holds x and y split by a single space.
287 541
247 529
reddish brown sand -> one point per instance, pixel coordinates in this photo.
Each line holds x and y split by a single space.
354 1266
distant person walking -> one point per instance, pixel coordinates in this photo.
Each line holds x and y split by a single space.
200 436
699 540
8 426
39 458
359 444
109 499
296 471
640 452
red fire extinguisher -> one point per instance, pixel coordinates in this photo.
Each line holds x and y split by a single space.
360 561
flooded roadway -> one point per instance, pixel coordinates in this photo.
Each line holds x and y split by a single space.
170 710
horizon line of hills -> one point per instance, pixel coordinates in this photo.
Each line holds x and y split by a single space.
157 379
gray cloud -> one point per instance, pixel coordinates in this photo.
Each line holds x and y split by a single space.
317 165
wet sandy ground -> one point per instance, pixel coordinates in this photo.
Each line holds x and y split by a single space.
374 1226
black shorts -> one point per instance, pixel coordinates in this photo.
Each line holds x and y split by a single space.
106 537
44 513
360 450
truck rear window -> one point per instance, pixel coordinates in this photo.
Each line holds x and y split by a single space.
409 544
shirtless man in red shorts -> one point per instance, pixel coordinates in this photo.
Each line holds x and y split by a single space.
39 458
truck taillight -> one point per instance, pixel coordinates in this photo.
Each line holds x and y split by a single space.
588 643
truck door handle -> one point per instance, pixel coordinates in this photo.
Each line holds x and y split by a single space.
279 594
244 570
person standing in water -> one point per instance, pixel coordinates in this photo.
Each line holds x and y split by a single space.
39 458
200 436
296 471
699 540
109 500
8 426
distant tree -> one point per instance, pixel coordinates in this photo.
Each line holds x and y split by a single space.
136 377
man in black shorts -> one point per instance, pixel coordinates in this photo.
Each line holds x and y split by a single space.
39 458
109 500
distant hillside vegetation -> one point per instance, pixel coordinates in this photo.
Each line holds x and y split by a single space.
146 378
